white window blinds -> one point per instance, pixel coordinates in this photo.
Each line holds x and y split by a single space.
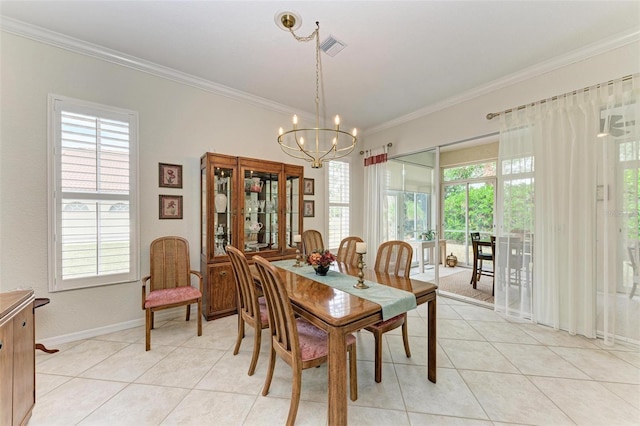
338 202
93 201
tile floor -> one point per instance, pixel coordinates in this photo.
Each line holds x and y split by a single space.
491 371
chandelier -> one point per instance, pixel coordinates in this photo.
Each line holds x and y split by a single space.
314 144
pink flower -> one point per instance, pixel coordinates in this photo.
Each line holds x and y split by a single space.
321 258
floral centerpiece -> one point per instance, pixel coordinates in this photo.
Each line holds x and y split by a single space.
320 260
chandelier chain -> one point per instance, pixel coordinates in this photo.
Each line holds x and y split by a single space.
292 141
315 34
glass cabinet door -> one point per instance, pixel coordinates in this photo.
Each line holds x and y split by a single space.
292 212
260 210
293 205
223 223
203 211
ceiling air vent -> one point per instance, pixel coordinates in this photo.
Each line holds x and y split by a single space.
332 46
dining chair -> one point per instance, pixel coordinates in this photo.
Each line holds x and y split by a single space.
252 309
169 282
311 241
393 258
299 343
347 251
481 255
508 260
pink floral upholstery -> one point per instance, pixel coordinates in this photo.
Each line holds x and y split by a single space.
383 324
314 342
264 313
168 296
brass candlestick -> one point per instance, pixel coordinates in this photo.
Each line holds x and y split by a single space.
360 284
297 264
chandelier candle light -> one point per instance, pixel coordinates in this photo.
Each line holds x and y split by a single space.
321 143
361 249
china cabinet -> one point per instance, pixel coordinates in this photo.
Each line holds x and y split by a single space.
253 205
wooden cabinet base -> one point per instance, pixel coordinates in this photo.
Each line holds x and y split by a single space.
219 298
17 357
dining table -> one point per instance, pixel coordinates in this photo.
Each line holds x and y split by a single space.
341 312
419 247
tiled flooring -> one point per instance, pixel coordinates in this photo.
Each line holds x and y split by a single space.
491 370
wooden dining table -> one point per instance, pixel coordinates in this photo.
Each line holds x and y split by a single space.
340 313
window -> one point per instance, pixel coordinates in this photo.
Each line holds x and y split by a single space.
92 194
338 202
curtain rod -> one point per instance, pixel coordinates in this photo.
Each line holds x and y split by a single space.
389 145
492 115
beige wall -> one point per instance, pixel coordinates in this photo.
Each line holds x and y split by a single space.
488 151
177 124
467 120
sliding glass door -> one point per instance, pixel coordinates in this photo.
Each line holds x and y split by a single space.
412 202
468 206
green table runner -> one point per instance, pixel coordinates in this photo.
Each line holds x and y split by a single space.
393 301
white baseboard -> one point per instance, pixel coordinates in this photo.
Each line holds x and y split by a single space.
112 328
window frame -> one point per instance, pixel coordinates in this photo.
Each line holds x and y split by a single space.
56 104
342 205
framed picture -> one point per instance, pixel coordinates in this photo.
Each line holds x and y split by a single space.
308 208
309 187
170 175
170 206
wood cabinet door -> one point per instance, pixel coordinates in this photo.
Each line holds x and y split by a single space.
23 364
6 373
221 291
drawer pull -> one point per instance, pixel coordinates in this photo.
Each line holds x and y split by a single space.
0 345
24 323
223 273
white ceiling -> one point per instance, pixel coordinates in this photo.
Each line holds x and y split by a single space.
401 56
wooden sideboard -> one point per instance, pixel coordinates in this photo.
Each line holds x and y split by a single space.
17 357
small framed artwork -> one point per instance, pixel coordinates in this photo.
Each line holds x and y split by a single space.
308 208
170 175
170 206
309 187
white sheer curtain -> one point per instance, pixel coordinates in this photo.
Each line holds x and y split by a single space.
515 214
375 192
618 297
554 231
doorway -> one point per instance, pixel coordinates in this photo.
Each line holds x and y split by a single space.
468 205
412 200
457 196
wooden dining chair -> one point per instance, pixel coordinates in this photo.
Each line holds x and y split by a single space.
508 260
252 309
299 343
311 241
393 258
170 282
347 251
482 255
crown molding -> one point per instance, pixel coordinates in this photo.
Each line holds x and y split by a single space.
62 41
586 52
